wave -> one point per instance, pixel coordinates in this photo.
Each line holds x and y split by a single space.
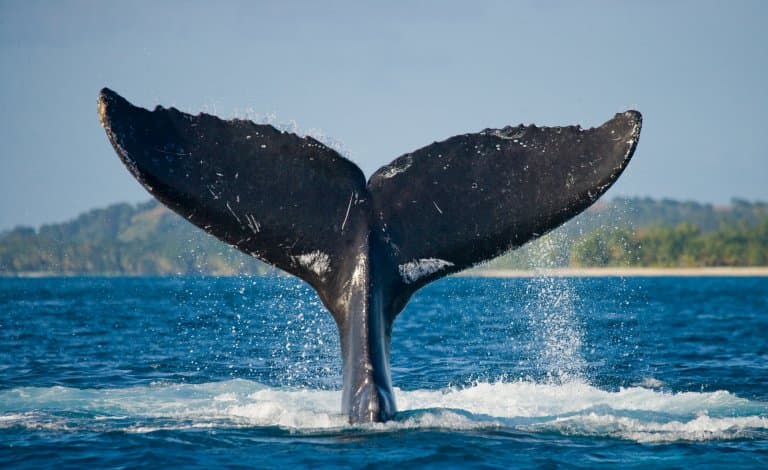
575 408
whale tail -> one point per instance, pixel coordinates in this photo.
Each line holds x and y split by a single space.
366 247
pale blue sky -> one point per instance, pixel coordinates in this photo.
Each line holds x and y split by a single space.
384 80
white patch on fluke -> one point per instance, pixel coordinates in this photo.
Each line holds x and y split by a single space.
508 133
316 261
633 137
359 274
414 270
393 169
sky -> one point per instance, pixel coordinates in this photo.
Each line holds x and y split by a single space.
383 79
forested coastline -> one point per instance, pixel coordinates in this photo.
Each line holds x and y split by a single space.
147 239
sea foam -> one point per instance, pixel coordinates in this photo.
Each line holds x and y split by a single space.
574 408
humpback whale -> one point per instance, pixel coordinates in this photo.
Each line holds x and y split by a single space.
367 246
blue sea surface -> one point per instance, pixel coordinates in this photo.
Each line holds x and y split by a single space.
489 373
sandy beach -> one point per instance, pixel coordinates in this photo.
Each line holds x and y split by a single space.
621 272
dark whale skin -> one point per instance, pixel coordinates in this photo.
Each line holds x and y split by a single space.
366 247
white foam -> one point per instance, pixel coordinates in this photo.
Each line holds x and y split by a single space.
651 382
532 400
701 428
573 408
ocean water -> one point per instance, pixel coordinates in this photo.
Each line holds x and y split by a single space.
489 373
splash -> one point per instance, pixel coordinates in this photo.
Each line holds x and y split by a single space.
574 408
290 126
553 321
307 345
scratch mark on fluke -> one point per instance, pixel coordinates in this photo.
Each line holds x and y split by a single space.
346 215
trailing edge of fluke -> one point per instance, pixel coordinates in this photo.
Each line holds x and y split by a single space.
366 247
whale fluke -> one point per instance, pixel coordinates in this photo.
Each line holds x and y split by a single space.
364 247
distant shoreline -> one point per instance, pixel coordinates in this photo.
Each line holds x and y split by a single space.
721 271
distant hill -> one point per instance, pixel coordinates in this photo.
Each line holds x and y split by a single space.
641 213
647 232
122 239
148 239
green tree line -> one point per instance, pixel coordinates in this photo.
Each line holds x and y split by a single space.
684 245
122 239
149 239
